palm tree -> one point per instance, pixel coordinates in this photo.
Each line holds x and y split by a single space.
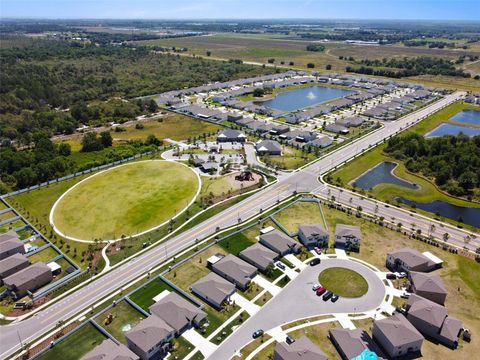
446 236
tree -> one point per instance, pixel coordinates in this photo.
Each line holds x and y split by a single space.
209 53
152 106
310 65
64 149
258 92
106 138
271 61
328 67
446 236
91 142
152 140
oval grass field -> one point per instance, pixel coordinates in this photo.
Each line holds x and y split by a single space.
343 282
125 200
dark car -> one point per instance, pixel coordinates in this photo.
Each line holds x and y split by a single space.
327 295
335 297
314 262
289 340
280 265
391 276
257 333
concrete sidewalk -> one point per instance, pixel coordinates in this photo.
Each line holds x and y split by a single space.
267 285
295 261
200 343
245 304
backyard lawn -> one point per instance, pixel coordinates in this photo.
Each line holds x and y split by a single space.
44 256
125 317
143 297
236 243
343 282
300 212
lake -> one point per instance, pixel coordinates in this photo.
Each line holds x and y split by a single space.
304 97
467 117
470 216
382 173
451 129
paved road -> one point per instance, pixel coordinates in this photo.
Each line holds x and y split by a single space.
303 180
298 301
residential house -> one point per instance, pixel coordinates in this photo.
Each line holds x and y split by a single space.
430 287
336 128
110 350
11 265
350 121
279 129
231 135
348 237
235 270
150 339
277 241
209 167
407 259
432 320
178 313
214 289
351 344
268 147
302 349
312 235
29 279
259 256
10 244
321 141
397 336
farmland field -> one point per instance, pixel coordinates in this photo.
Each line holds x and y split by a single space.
125 200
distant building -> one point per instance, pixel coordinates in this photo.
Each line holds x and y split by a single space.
214 289
337 129
321 141
11 265
279 242
231 135
312 235
109 350
302 349
29 279
397 336
348 237
430 287
268 147
235 270
350 121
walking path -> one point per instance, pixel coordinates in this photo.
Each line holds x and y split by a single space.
245 304
199 342
267 285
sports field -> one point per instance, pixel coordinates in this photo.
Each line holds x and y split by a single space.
124 201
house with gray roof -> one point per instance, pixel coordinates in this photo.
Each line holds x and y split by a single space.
235 270
350 121
408 259
353 343
348 237
11 265
259 256
278 129
321 141
150 339
302 349
336 128
110 350
178 313
397 336
231 135
279 242
214 289
208 167
268 147
429 286
29 279
432 320
10 244
312 235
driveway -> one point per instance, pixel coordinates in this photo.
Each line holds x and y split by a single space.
298 301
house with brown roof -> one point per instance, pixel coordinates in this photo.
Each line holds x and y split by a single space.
407 259
10 244
302 349
397 336
109 350
433 321
150 339
312 235
348 237
430 287
29 279
11 265
214 289
178 313
279 242
352 343
235 270
259 256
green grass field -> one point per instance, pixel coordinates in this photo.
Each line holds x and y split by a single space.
299 213
44 255
343 282
125 200
75 345
143 297
125 317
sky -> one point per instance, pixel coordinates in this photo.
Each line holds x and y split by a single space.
242 9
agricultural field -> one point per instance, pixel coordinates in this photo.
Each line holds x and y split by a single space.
124 201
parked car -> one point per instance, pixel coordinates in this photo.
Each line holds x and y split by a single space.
401 275
405 295
289 340
335 297
327 295
318 250
314 262
280 265
257 333
391 276
320 291
315 287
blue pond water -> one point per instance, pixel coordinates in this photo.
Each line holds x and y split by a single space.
304 97
470 216
382 173
451 129
467 117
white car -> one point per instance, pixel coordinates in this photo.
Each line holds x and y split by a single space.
401 275
315 287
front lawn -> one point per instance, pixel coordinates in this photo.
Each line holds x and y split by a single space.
227 330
